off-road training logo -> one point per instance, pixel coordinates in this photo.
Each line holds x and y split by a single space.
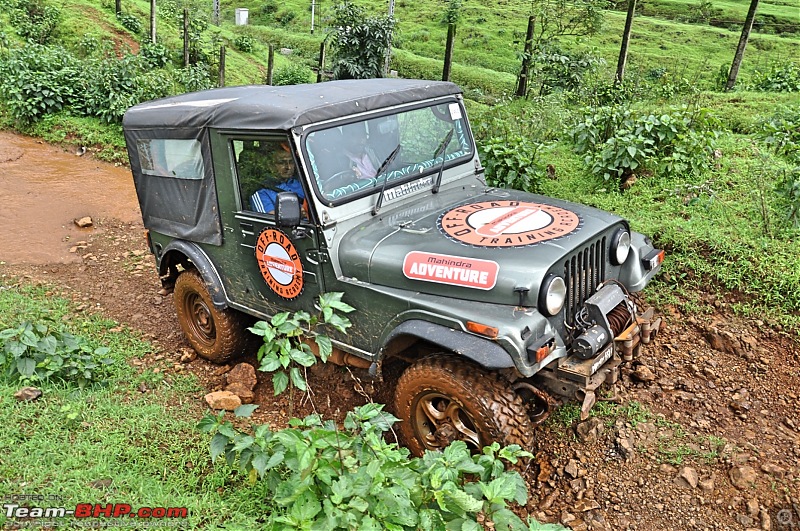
279 263
507 223
453 270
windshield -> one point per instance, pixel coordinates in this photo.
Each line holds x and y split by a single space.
344 159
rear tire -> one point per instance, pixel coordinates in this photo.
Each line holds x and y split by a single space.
443 398
216 334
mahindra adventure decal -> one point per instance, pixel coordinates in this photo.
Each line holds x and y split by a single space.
506 223
279 263
452 270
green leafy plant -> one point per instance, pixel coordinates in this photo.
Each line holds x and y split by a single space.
512 162
618 142
35 21
284 350
33 352
130 23
780 77
291 74
155 55
244 43
360 42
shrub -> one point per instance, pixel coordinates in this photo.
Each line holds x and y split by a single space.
34 20
34 352
782 133
559 70
789 194
130 23
292 74
244 43
780 77
359 42
618 142
155 55
195 77
511 162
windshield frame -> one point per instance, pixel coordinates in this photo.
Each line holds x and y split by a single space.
416 171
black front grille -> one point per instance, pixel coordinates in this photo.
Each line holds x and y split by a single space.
583 272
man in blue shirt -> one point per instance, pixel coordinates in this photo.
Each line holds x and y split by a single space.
284 178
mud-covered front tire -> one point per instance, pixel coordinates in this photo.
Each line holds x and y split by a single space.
443 398
217 335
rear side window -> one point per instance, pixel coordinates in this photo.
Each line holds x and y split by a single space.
172 157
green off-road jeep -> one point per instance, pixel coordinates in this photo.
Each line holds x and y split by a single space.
258 199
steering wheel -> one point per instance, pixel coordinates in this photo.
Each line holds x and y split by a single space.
338 180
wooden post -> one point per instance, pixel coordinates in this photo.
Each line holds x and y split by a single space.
185 38
524 72
321 69
118 7
448 51
626 39
737 58
215 15
153 21
270 63
221 66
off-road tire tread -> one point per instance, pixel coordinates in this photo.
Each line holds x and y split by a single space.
232 337
492 392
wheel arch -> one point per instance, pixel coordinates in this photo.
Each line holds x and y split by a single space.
190 255
484 352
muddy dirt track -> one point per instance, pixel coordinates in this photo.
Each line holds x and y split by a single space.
719 450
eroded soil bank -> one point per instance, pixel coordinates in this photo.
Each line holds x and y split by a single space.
714 445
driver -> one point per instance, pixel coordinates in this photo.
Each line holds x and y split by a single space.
282 177
363 160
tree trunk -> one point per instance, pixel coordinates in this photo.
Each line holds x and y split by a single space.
270 63
153 21
737 59
448 52
321 69
626 39
118 7
221 66
185 38
522 83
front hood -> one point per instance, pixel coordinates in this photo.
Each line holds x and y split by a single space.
489 246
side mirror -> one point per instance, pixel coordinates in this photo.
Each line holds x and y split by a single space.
287 210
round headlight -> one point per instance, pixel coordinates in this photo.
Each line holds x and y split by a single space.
552 295
620 246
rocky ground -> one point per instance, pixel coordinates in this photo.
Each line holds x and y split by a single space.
703 433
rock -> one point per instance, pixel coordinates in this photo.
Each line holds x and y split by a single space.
707 485
752 508
590 430
244 374
586 505
28 394
742 477
773 470
766 520
188 355
566 518
664 468
84 222
625 448
687 477
242 391
223 400
572 468
643 373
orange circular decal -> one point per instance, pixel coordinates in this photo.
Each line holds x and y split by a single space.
507 223
279 263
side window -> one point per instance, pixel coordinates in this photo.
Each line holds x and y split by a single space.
178 158
265 167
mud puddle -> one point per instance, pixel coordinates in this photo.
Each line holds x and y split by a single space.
43 189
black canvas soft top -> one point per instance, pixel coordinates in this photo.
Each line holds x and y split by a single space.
260 107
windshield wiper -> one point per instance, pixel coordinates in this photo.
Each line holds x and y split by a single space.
383 166
442 147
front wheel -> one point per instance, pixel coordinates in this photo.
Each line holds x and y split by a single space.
442 399
216 334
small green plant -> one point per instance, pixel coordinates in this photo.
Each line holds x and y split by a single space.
512 162
155 55
244 43
130 23
360 42
780 77
291 74
34 352
284 350
35 21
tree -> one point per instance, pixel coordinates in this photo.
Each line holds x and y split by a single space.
737 58
549 21
360 42
626 39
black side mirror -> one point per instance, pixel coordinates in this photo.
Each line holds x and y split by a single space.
287 210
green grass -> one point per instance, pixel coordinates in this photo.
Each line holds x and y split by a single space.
113 444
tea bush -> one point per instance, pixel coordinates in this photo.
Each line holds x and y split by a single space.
34 20
291 74
130 23
511 162
780 77
618 142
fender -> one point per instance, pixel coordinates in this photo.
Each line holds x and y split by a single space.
483 351
203 264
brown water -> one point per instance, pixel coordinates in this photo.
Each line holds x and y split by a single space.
43 189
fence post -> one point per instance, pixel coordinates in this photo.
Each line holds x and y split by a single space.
118 7
270 63
185 38
321 69
153 21
221 66
524 73
448 51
